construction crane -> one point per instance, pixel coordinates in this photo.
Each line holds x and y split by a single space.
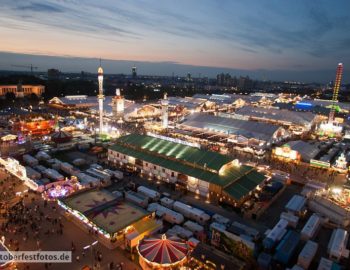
31 67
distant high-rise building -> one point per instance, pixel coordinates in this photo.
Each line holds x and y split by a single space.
134 72
220 79
224 79
245 83
53 74
189 77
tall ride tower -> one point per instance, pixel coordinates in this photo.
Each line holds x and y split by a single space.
118 103
335 92
165 103
100 96
331 127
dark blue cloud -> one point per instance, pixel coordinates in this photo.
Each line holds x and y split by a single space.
272 30
40 7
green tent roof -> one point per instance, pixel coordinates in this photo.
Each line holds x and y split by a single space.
244 185
237 181
176 150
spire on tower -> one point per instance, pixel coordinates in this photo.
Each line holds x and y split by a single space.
100 69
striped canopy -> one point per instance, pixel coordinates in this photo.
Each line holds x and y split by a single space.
163 250
61 136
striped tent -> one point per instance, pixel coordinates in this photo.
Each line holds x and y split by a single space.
61 137
163 251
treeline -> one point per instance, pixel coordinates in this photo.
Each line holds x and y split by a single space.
139 91
53 88
60 88
17 78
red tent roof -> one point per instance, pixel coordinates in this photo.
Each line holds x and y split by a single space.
163 250
61 136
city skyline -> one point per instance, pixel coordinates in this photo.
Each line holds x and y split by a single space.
279 41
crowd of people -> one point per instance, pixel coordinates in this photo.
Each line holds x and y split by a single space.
29 220
305 171
8 186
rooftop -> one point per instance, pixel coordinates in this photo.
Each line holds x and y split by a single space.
225 125
293 117
187 102
228 98
306 150
245 184
161 250
191 161
178 151
104 210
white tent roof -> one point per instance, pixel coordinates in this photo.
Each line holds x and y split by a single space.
299 118
247 129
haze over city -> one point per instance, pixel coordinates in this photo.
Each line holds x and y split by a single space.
299 40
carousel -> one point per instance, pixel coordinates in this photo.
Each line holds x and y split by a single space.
61 189
162 252
61 137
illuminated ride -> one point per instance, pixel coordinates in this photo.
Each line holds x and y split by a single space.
331 127
61 137
62 189
36 126
162 252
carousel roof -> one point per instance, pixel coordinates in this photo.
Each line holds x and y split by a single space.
163 250
61 135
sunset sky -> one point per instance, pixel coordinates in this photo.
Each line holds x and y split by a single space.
251 34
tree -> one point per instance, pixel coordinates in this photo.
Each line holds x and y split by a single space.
33 97
10 96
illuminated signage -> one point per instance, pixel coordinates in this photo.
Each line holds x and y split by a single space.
304 104
287 152
320 163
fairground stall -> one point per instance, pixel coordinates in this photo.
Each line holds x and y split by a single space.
115 221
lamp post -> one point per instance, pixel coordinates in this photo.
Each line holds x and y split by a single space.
91 249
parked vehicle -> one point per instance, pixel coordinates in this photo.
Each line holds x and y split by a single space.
29 160
287 247
167 214
53 174
116 174
307 254
150 193
192 213
136 198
